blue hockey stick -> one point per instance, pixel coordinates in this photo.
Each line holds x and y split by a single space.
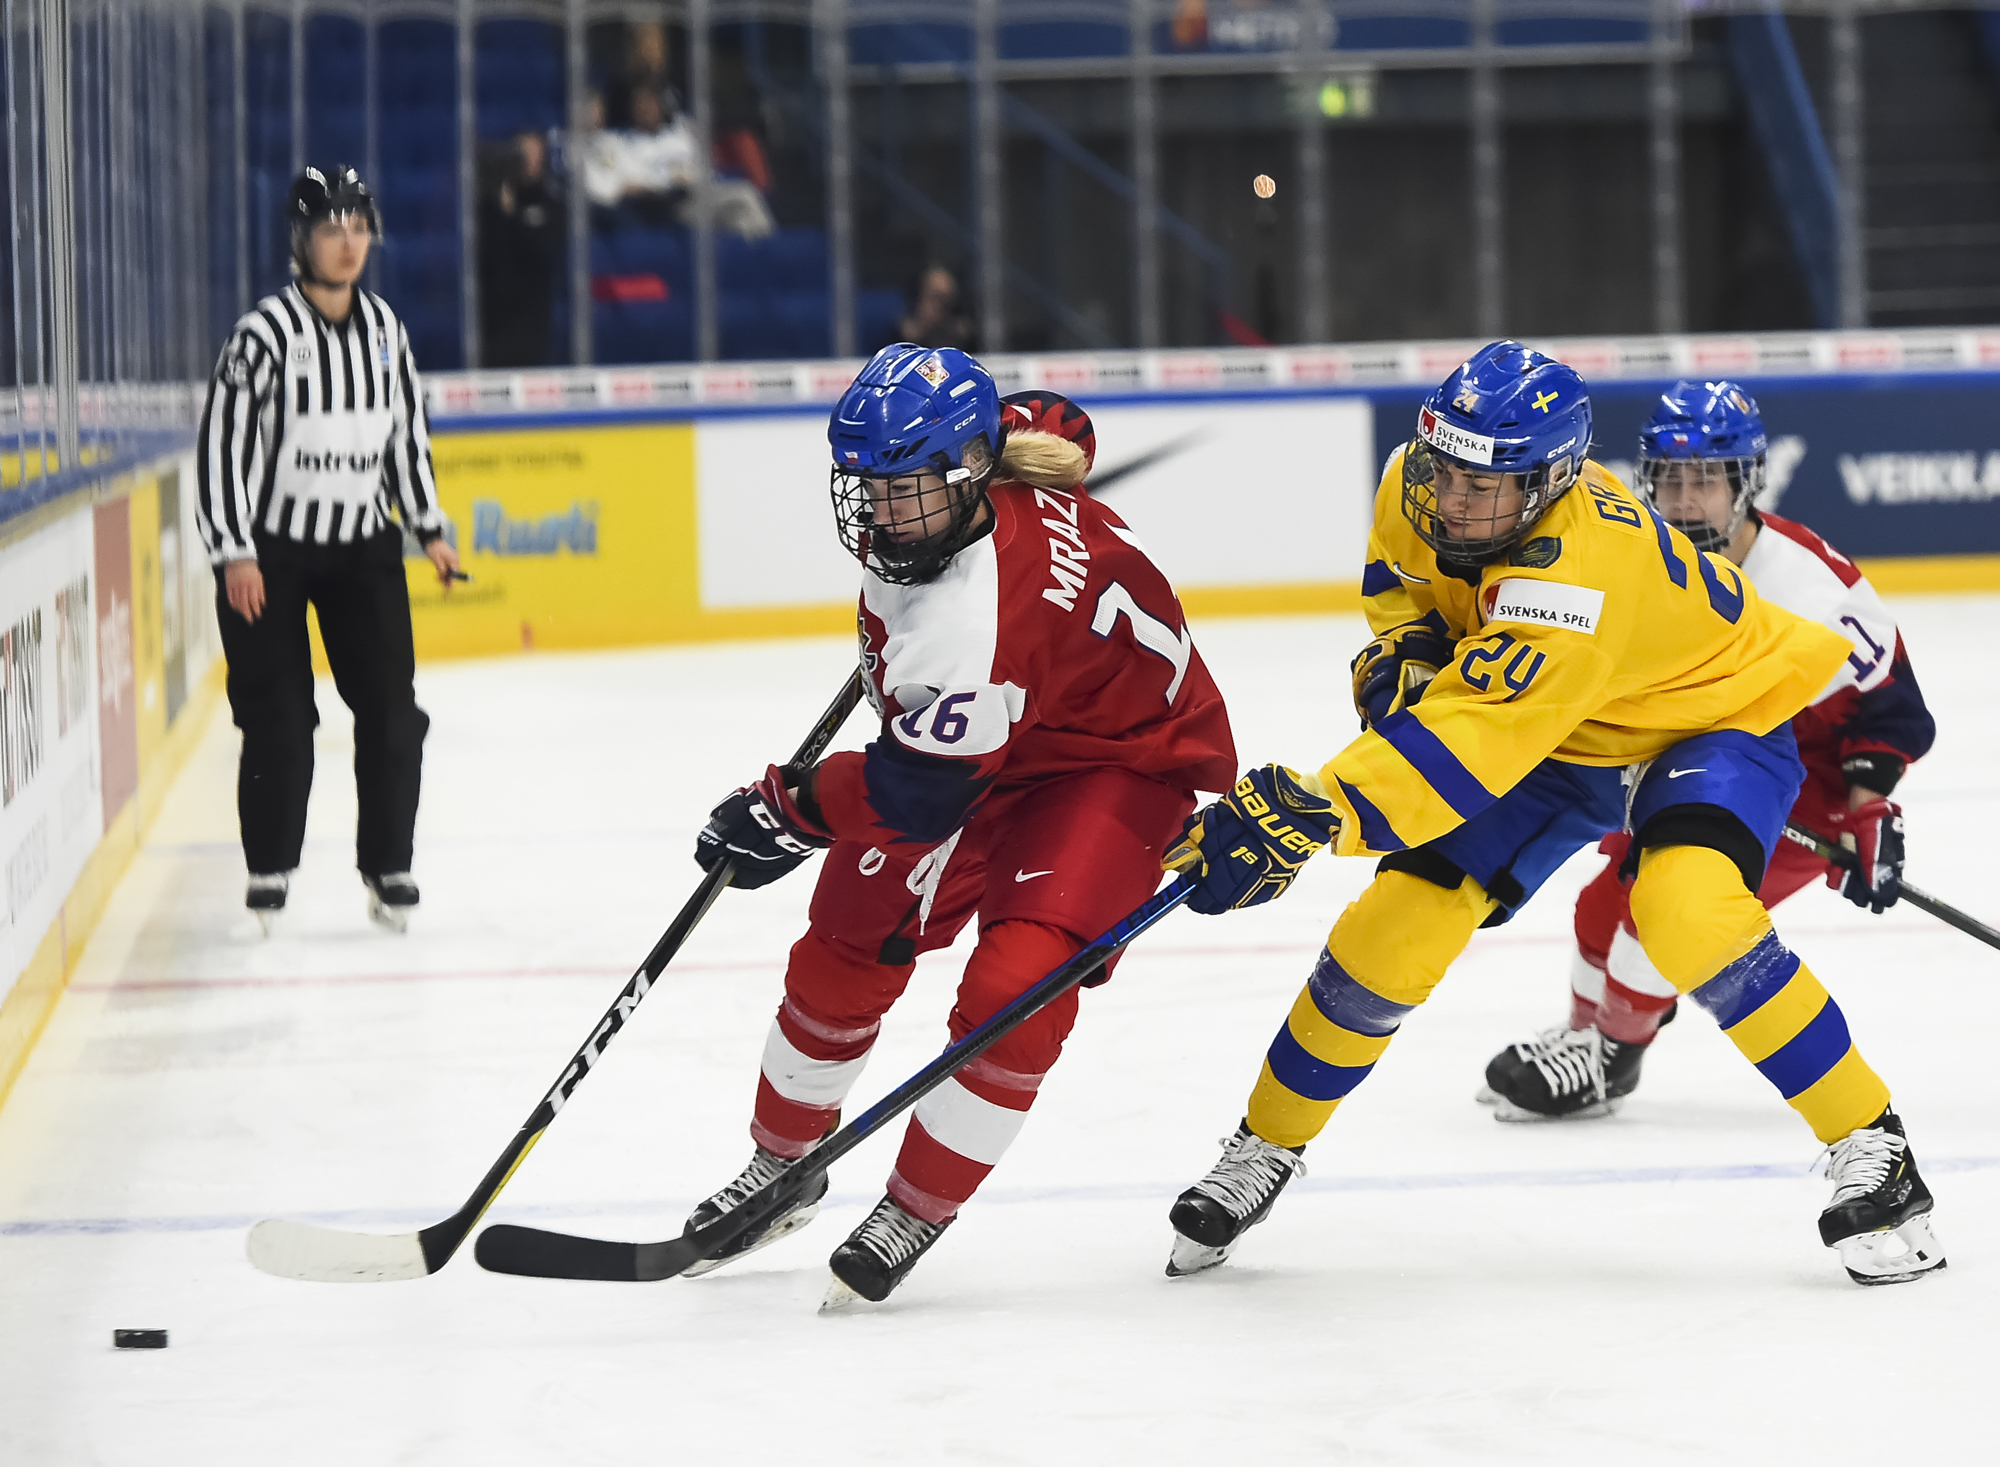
507 1248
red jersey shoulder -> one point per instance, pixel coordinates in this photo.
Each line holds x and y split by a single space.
1056 545
1798 534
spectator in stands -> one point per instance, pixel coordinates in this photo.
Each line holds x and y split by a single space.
655 169
644 68
1189 27
935 316
520 250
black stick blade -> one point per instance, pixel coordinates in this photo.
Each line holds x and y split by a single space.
505 1248
536 1253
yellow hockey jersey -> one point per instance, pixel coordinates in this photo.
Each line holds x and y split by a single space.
1605 638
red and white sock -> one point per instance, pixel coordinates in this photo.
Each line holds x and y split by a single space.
1636 994
809 1066
1586 989
958 1134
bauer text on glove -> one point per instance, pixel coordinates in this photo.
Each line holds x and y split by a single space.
1248 846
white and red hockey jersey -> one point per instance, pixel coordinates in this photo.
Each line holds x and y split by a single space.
1873 706
1050 645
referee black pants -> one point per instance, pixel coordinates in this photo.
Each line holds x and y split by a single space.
364 621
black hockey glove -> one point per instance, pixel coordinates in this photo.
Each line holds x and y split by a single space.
1391 671
762 827
1248 846
1875 834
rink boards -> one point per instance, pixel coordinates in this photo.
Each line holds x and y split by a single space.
670 509
108 654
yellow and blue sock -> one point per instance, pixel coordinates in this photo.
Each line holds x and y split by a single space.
1384 956
1713 941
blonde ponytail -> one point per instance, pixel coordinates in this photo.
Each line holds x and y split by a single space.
1043 460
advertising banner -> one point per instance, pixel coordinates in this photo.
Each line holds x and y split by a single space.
1187 477
173 593
149 673
573 537
1891 466
117 705
50 814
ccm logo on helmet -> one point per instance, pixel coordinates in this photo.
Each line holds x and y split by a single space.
1472 447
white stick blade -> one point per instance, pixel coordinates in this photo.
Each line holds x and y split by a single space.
295 1250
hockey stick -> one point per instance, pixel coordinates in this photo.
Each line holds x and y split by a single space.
1923 901
296 1250
507 1248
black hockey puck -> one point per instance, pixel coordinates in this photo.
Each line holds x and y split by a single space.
139 1339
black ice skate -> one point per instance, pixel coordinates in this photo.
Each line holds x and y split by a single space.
1562 1074
879 1255
392 896
1880 1214
1236 1195
266 895
764 1168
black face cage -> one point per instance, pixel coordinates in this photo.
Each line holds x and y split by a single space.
930 541
1542 486
1746 482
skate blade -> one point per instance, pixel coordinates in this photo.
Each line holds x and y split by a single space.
267 920
1190 1257
790 1225
1486 1095
1505 1110
388 918
1893 1255
840 1299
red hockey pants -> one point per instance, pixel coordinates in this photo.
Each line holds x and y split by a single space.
1046 867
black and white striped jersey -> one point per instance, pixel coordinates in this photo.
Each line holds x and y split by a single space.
310 429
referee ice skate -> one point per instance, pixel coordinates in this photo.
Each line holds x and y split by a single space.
314 422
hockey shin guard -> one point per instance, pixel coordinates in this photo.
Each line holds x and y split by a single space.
1712 940
1384 957
1636 995
959 1131
819 1043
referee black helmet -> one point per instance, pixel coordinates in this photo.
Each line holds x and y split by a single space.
326 193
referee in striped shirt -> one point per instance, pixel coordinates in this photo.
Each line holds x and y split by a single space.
314 424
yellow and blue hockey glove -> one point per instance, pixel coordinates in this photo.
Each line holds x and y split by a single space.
1391 671
1248 846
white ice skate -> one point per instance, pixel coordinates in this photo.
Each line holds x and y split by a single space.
1879 1216
265 897
391 898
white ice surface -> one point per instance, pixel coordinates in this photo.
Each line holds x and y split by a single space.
1441 1288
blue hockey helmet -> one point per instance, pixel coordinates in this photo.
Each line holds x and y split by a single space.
1702 434
1509 419
913 412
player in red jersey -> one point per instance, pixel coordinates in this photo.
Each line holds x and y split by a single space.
1046 722
1701 465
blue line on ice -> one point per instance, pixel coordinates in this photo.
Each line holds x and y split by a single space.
1586 1177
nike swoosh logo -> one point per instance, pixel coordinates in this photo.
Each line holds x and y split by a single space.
1677 773
1397 567
1031 875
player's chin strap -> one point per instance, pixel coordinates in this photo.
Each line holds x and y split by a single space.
1841 856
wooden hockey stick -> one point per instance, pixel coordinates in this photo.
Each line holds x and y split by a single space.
1841 856
507 1248
297 1250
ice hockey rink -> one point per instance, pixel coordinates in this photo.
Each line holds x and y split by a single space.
1439 1288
